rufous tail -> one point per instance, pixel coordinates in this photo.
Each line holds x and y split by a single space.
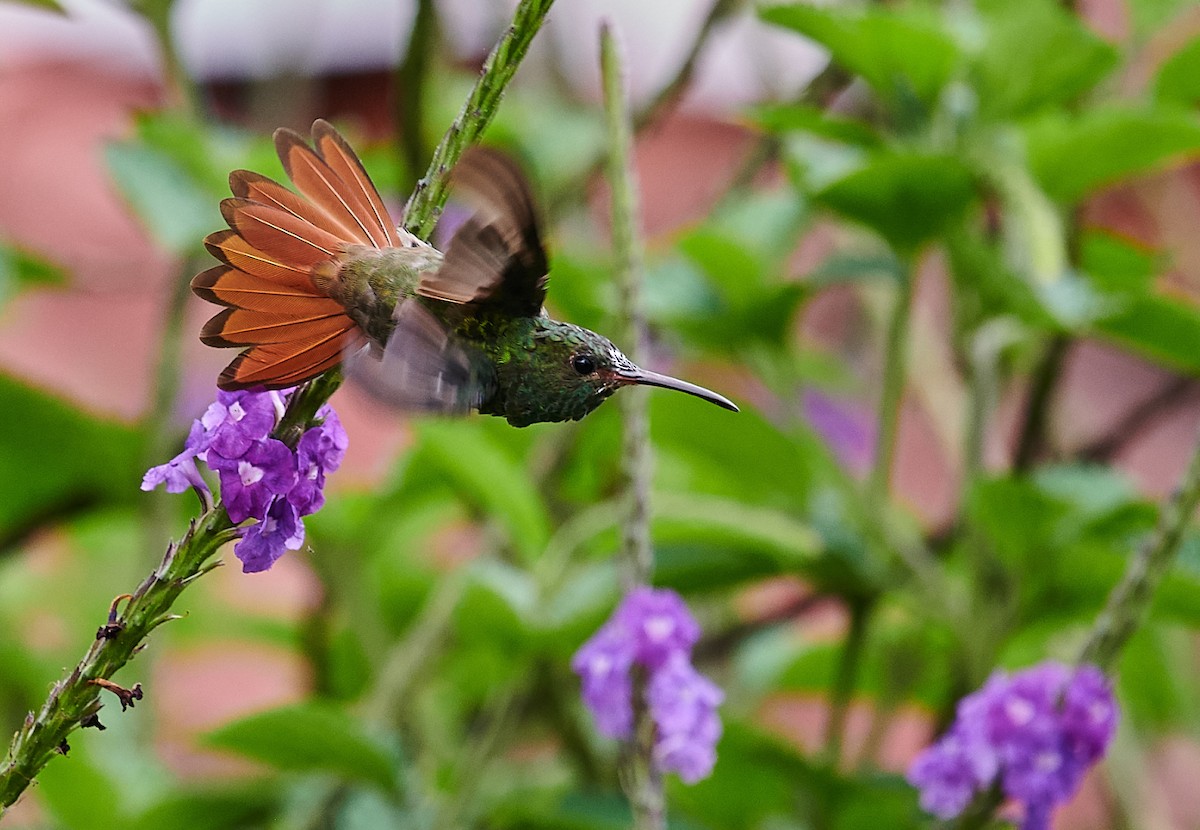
279 255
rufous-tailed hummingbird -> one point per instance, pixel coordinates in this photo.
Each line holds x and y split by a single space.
313 279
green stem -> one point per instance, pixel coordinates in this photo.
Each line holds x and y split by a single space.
1129 600
76 698
410 88
1041 391
846 679
425 205
642 781
895 367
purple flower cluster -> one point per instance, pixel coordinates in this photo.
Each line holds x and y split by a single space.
655 631
261 477
1038 731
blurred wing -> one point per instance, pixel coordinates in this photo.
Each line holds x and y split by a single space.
422 368
496 257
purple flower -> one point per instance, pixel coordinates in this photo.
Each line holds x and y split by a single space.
320 451
684 704
261 477
655 631
949 774
658 624
280 530
237 419
249 482
180 472
603 665
1039 731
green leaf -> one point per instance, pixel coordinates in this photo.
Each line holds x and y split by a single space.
1162 328
1158 682
782 118
52 5
176 209
703 449
1035 54
212 809
1178 81
902 55
308 738
1073 156
20 269
908 199
55 458
705 542
485 473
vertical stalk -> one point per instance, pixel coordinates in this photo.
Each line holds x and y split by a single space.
846 679
642 781
425 206
895 367
1130 599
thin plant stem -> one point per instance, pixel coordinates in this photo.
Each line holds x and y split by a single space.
895 368
429 197
1130 599
846 679
75 700
1041 392
410 88
642 781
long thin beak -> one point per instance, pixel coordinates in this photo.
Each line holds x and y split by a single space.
644 377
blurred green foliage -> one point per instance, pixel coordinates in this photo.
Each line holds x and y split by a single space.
976 129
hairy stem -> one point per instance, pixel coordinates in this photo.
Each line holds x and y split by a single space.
1129 600
643 783
76 699
429 197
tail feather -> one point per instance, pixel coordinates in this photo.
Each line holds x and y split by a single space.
280 256
243 327
343 161
277 366
317 181
256 187
280 234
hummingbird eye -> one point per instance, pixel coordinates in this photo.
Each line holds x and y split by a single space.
583 364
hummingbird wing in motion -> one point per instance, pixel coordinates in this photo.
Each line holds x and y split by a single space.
423 367
495 258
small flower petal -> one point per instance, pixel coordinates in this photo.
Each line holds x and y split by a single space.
249 482
683 704
604 665
659 624
280 530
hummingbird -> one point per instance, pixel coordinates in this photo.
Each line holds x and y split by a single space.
322 277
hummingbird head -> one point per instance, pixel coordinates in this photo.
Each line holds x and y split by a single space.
565 371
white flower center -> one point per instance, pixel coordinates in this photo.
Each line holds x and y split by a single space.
248 473
659 629
236 412
1048 761
1020 711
